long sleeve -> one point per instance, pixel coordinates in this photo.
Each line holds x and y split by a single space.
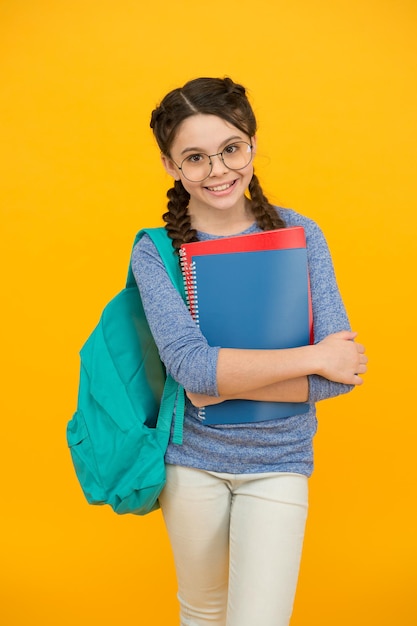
182 347
329 313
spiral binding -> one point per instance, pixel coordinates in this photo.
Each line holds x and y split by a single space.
202 413
190 283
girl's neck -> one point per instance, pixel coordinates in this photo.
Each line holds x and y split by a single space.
223 223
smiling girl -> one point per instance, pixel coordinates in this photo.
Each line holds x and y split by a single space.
236 498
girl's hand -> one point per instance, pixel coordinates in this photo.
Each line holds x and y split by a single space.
341 359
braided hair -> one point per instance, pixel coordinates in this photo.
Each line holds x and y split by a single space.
211 96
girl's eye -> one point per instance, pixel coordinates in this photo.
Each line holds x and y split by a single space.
195 158
231 149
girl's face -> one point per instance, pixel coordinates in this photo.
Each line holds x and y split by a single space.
224 189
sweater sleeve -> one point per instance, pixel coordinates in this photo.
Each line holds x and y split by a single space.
182 347
329 314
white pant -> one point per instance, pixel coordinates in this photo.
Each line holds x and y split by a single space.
237 542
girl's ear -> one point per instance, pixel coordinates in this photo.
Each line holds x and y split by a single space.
170 167
254 143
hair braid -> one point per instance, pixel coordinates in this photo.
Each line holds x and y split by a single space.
178 223
265 214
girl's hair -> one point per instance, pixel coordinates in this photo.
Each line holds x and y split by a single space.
211 96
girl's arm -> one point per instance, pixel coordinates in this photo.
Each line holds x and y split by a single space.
337 358
215 371
292 390
329 313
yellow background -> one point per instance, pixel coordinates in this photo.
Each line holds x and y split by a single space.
333 84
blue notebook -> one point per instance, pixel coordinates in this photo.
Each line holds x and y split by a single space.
250 298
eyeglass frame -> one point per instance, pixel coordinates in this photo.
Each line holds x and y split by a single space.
219 154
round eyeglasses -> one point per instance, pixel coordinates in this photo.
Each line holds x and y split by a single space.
198 166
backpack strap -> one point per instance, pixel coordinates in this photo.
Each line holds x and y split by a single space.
163 244
173 395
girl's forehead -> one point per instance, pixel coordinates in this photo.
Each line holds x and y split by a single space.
200 129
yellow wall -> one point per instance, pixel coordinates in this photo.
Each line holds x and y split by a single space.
334 86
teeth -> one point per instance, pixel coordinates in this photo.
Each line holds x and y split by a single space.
220 188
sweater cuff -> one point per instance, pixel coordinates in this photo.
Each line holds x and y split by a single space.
321 389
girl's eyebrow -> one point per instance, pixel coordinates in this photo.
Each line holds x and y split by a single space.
224 143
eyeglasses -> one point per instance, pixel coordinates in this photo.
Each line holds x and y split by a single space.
197 167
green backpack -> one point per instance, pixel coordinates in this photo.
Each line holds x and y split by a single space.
120 432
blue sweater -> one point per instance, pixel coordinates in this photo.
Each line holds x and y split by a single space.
282 445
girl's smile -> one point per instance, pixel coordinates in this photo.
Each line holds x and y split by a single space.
221 188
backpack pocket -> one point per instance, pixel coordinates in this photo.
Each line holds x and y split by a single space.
84 460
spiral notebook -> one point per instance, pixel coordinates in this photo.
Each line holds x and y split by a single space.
250 291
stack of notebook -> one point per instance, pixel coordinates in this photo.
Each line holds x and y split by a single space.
250 291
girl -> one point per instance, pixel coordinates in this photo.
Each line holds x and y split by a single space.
235 501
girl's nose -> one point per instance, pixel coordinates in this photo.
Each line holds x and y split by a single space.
217 165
